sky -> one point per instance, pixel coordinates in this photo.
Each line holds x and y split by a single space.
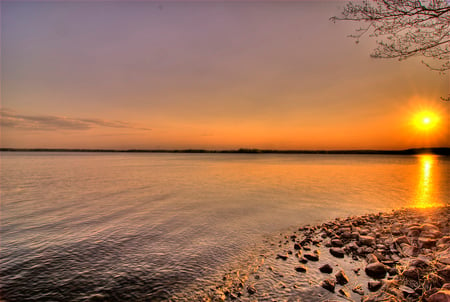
209 75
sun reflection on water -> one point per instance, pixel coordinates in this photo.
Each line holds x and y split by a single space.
425 187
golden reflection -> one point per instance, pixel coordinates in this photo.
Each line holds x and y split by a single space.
425 188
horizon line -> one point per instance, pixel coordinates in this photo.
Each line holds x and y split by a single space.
409 151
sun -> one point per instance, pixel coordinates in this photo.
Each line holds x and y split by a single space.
425 120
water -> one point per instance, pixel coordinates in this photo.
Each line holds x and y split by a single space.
118 226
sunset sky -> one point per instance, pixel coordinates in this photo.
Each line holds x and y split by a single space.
213 75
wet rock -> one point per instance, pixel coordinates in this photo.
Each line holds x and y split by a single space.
402 239
337 252
440 296
374 285
300 269
337 243
341 278
311 256
371 258
358 290
427 243
302 260
376 270
366 240
251 289
411 273
344 293
328 284
326 268
445 273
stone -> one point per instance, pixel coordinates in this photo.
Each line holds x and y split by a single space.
300 269
371 258
297 246
401 239
326 268
366 240
445 273
376 270
374 285
328 284
427 243
282 256
337 243
358 290
337 252
251 289
341 278
411 273
344 293
311 256
440 296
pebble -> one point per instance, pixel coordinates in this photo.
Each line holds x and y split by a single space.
374 285
341 278
300 268
326 268
376 270
328 284
337 252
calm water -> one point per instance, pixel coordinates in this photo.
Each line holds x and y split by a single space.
93 226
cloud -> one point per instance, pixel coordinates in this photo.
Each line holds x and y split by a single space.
11 119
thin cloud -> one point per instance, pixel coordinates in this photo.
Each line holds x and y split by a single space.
11 119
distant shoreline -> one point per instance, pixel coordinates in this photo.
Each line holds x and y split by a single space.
412 151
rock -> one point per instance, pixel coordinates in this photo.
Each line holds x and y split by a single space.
419 262
427 243
358 290
326 268
251 290
411 273
297 246
428 227
337 243
366 240
376 270
282 256
374 285
371 258
341 278
401 239
344 293
440 296
302 260
337 252
445 273
328 284
300 269
311 256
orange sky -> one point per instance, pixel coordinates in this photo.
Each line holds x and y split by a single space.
211 75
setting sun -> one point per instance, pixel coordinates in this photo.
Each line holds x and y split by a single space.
426 120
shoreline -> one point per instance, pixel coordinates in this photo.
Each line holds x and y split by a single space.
402 255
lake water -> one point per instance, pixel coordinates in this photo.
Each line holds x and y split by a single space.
120 226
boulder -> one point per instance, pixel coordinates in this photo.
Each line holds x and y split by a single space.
328 284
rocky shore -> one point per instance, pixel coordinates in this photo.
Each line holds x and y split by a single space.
403 255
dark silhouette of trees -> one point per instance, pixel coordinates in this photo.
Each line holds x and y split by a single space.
404 28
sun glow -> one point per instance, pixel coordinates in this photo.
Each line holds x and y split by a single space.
426 120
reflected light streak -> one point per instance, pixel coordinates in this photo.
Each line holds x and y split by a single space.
425 187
